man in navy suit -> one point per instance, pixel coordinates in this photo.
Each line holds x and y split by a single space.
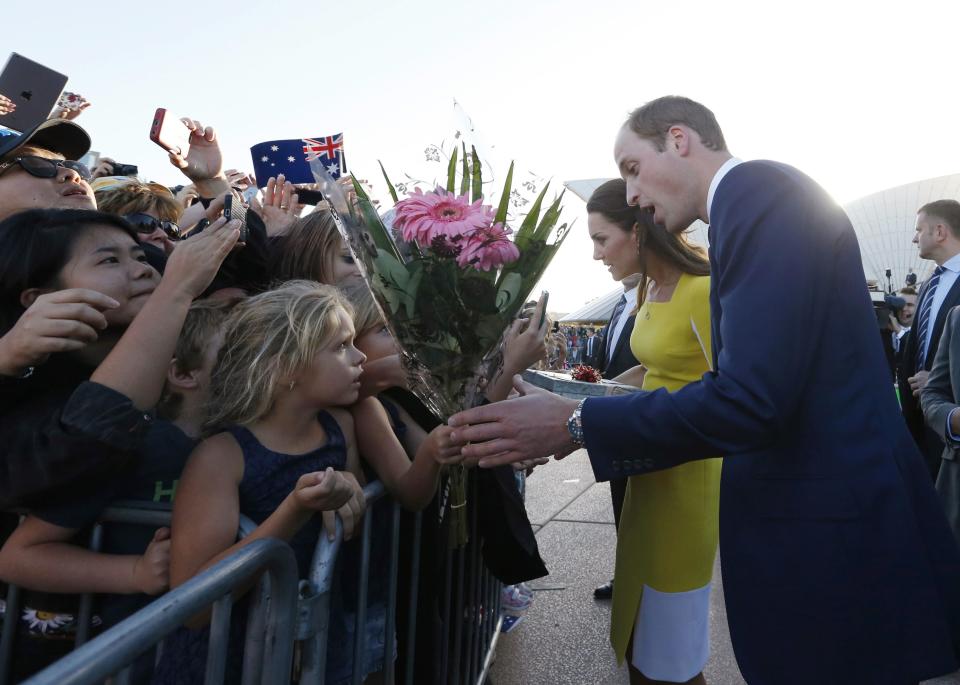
838 565
938 238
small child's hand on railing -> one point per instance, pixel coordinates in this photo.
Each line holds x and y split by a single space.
323 490
351 513
151 572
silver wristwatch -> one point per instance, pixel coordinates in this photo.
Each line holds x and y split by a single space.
575 425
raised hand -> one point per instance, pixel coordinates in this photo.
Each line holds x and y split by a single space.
203 159
151 572
279 209
61 321
75 107
195 261
6 105
323 490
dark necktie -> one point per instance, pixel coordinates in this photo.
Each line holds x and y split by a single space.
612 326
924 319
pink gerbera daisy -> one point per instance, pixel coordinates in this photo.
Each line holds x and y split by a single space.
425 216
488 248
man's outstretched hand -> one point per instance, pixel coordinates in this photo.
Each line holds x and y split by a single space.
531 426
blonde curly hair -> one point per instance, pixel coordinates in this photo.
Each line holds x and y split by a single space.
268 338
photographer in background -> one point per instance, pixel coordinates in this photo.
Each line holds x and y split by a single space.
903 319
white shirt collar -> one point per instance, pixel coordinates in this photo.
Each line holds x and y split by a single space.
717 177
953 264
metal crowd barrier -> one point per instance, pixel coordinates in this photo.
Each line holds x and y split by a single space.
470 600
112 653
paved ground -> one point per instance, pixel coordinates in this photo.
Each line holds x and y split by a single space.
563 636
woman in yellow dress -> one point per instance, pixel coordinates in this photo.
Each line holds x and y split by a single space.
667 539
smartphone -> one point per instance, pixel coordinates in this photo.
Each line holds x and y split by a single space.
234 209
169 132
309 197
544 298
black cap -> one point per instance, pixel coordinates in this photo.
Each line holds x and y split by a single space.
57 135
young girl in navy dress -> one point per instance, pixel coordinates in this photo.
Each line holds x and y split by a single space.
287 369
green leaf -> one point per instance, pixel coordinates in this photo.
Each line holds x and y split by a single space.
550 218
477 173
505 198
465 173
393 191
509 290
413 285
452 171
529 225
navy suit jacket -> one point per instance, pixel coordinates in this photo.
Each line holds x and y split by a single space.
927 439
621 357
838 565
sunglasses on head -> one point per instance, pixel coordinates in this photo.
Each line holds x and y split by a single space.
144 223
41 167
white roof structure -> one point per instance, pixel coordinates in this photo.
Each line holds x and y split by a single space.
885 221
596 310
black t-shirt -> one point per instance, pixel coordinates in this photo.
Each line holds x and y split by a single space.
153 479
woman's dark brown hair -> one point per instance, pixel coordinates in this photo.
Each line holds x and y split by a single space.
674 249
308 250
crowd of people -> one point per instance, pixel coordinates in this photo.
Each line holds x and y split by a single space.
154 349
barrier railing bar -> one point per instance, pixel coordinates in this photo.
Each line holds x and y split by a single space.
123 677
414 598
476 598
447 593
458 619
389 628
491 650
373 492
123 643
218 645
85 613
10 619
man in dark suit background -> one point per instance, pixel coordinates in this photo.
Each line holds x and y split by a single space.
615 358
591 348
938 238
838 564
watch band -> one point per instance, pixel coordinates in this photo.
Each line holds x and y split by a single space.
575 424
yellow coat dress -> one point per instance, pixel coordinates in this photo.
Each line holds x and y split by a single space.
667 539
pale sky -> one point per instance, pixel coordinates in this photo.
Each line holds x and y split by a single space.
861 96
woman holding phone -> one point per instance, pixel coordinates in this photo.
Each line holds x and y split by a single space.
667 537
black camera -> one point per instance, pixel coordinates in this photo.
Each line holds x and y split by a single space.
884 305
125 169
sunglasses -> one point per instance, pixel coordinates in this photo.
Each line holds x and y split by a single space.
41 167
144 223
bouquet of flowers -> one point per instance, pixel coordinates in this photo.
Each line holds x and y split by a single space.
450 276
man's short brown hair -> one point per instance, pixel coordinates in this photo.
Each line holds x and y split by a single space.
947 211
908 290
652 121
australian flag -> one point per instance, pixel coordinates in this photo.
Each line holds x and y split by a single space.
292 158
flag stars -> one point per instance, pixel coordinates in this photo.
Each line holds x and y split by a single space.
291 158
264 159
274 148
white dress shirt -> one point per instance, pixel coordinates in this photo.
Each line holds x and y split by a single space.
951 269
630 294
717 177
